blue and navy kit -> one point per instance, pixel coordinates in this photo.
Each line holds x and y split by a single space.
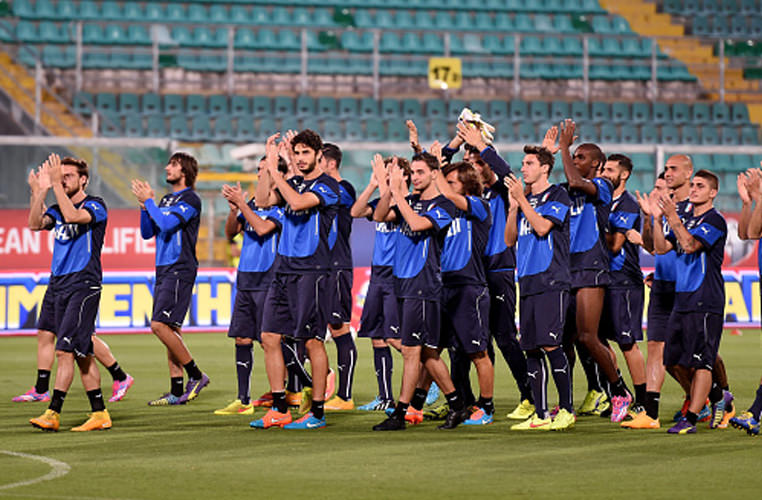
383 248
77 247
255 268
462 254
499 257
417 267
588 221
342 228
664 264
625 265
304 245
175 224
543 262
699 285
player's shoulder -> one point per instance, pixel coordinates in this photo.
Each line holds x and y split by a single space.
628 203
715 218
347 186
556 192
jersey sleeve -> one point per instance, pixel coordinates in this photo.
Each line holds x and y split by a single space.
97 210
327 195
623 219
275 215
53 214
604 190
440 214
348 196
477 208
709 232
557 206
372 204
495 161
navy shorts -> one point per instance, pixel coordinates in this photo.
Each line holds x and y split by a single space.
171 298
694 339
465 318
75 312
419 322
659 310
294 308
380 317
589 278
622 315
246 321
339 293
542 318
46 320
502 311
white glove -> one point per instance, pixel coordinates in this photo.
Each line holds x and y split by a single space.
475 120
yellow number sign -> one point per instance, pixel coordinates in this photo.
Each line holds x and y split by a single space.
445 73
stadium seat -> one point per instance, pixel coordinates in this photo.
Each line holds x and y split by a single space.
498 110
305 106
374 130
681 113
155 126
729 136
390 108
710 135
435 108
739 113
246 132
600 112
690 135
579 111
720 113
240 105
195 104
223 129
105 103
110 125
439 131
218 105
173 104
348 107
150 104
128 103
670 135
750 136
661 112
133 125
282 106
519 110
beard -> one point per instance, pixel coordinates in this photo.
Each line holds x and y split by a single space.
309 168
173 181
71 190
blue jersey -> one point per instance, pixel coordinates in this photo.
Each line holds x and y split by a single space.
383 248
664 265
304 243
77 247
589 218
342 228
255 267
175 224
417 266
462 254
625 265
543 262
699 286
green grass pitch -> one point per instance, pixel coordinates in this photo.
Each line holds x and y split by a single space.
187 452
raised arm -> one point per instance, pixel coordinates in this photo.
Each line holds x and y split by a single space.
399 191
361 208
743 193
754 186
235 196
383 212
444 187
296 200
70 213
646 202
39 184
573 177
473 137
511 223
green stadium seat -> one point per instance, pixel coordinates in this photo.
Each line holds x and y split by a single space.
579 111
240 105
150 104
266 39
374 130
609 133
559 110
110 125
397 131
562 24
519 110
155 126
348 107
538 111
543 23
129 103
435 108
739 113
700 113
289 123
648 134
454 107
390 108
245 39
132 12
390 42
670 135
641 112
239 15
173 104
750 135
89 10
137 34
105 103
195 104
521 22
111 11
332 130
620 112
282 106
353 42
601 24
245 130
681 113
531 46
720 113
600 112
411 110
439 131
83 103
690 135
154 12
710 135
354 130
498 110
661 112
628 133
133 125
305 106
326 107
176 13
368 108
527 132
218 105
729 135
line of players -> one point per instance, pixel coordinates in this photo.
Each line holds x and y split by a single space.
440 257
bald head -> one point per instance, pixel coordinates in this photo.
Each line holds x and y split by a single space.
678 171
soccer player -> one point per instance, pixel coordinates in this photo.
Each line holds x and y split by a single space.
696 320
622 316
465 298
261 227
339 287
294 306
538 225
79 224
591 203
174 223
424 218
380 316
500 262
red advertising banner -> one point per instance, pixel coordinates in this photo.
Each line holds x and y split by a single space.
123 248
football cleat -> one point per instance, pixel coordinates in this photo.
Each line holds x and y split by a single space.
308 421
48 421
746 421
392 423
413 416
236 408
273 418
436 413
641 421
719 409
167 399
377 404
681 413
523 411
193 388
479 417
682 427
306 403
98 421
293 398
32 396
534 423
454 418
706 413
119 389
330 384
564 420
620 405
433 394
594 403
265 400
338 404
726 419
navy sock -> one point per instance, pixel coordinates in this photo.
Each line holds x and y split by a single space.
652 404
176 386
640 394
538 379
517 363
96 400
244 361
460 367
400 410
279 402
294 363
756 406
715 393
346 361
691 417
57 401
419 398
43 381
116 372
455 401
486 404
559 366
192 370
317 409
382 362
619 388
591 369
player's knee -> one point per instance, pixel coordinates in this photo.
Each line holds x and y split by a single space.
243 341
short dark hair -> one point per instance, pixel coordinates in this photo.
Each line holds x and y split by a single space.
332 152
189 167
309 138
661 175
282 165
714 181
429 159
82 168
403 164
544 156
471 149
597 152
624 161
467 176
